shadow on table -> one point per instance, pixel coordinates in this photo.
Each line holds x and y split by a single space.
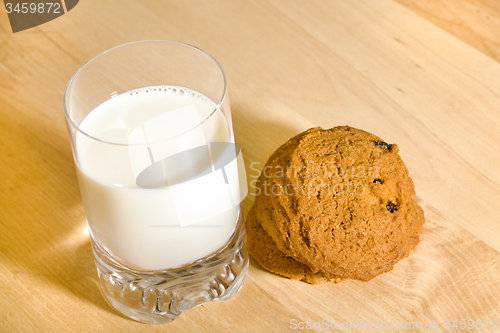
46 238
53 221
258 139
74 270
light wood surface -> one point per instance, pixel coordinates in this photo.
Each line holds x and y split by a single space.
423 74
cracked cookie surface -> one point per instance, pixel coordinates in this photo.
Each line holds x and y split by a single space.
339 201
266 253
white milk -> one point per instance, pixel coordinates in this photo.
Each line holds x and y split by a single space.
167 226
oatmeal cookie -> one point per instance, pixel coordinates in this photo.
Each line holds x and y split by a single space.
340 201
264 251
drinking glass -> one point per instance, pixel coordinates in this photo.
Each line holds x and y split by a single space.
160 176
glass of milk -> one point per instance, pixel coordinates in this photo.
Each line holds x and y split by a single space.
160 176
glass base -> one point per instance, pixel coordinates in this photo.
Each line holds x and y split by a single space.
159 297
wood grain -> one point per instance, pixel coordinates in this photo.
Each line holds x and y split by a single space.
423 75
475 22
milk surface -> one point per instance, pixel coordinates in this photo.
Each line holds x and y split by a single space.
175 222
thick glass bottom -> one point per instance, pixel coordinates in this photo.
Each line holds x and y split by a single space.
159 297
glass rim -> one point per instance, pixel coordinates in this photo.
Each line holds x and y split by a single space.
72 123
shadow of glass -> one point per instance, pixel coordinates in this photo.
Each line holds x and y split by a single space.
43 225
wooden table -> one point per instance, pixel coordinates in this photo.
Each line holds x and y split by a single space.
423 74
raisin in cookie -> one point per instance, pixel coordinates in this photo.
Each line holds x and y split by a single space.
340 201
